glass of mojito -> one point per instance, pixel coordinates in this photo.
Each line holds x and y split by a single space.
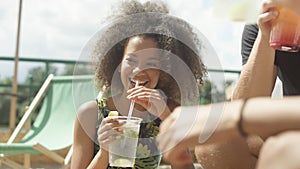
122 152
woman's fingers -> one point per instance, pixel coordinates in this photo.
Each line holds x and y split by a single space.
105 137
153 100
109 127
145 93
108 133
140 89
145 97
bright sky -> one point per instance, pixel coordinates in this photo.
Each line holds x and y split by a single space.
60 29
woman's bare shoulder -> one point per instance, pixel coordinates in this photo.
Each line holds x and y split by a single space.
88 109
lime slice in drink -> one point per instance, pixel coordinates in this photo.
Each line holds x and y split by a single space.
132 134
113 113
123 162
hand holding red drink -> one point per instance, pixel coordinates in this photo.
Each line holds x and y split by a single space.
281 26
285 32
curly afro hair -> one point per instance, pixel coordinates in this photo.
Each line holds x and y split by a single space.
148 20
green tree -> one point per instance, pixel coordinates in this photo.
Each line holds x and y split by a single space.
205 92
79 69
5 101
39 74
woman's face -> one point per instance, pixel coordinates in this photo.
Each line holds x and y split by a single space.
141 62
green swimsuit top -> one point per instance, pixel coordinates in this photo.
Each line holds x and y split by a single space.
146 147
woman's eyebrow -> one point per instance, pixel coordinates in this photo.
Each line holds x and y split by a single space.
154 58
131 54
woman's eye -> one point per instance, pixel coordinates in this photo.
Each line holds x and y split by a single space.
153 65
130 61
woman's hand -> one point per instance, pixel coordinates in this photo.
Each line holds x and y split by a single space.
107 129
152 100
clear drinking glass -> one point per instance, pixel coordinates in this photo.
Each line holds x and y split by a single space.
122 153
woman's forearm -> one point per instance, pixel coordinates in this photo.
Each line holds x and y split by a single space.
100 161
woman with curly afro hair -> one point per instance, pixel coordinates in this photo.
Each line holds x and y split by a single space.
145 55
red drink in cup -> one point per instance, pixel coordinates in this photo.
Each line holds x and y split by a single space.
285 33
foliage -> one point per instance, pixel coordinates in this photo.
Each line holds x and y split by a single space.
209 93
205 92
37 75
5 101
77 70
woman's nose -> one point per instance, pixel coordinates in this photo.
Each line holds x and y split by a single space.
138 69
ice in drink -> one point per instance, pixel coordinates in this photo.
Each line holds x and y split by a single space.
122 153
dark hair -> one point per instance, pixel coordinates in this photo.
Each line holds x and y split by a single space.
147 20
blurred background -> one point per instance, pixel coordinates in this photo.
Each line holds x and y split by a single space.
54 32
53 29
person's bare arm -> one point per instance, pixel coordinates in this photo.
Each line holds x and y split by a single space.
283 150
267 117
258 75
261 116
84 133
100 160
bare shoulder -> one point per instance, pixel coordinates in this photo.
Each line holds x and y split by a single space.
87 110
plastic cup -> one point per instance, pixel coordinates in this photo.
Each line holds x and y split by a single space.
237 10
285 32
122 153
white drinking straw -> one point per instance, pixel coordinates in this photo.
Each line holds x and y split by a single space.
129 114
132 104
